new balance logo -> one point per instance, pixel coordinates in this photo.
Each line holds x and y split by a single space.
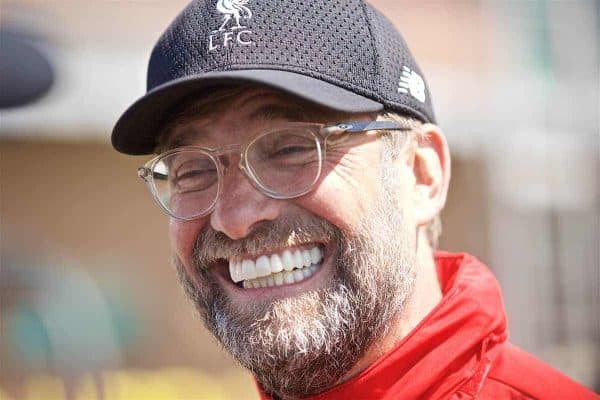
412 83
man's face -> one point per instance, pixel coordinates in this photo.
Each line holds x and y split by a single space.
299 336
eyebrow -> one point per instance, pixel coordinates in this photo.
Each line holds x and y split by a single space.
178 141
186 137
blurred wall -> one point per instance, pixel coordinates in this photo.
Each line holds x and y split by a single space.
77 215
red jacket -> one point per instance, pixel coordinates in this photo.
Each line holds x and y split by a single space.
459 350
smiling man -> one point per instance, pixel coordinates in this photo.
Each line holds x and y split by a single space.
300 165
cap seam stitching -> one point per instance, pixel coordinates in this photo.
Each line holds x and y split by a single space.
373 42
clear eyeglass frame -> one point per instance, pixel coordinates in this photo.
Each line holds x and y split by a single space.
320 132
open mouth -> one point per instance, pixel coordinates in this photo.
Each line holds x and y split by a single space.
276 269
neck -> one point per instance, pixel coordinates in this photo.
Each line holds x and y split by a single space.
426 295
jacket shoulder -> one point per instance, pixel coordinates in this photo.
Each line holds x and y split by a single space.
516 374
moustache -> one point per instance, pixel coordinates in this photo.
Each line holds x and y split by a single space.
290 230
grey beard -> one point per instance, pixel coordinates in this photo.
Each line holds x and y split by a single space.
303 345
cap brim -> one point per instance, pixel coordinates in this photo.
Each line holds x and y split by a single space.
135 132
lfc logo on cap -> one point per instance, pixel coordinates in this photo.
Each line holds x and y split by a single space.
233 11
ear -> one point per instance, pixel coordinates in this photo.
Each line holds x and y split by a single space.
431 169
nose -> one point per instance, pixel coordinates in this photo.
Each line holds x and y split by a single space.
241 206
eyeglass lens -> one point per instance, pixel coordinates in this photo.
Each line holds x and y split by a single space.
284 164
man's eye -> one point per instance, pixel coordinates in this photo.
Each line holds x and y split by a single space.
291 155
290 150
197 179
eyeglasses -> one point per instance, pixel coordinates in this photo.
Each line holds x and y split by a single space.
284 163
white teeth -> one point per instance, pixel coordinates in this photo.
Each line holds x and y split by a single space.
277 269
238 271
287 260
306 258
232 271
298 275
270 281
315 255
235 270
298 260
263 266
288 277
248 270
278 278
276 265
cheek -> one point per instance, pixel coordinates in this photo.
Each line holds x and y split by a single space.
183 236
343 197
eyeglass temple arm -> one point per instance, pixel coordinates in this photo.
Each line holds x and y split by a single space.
145 172
364 126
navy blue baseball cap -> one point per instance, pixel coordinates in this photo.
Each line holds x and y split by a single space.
339 54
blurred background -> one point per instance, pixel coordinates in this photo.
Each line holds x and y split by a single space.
90 305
